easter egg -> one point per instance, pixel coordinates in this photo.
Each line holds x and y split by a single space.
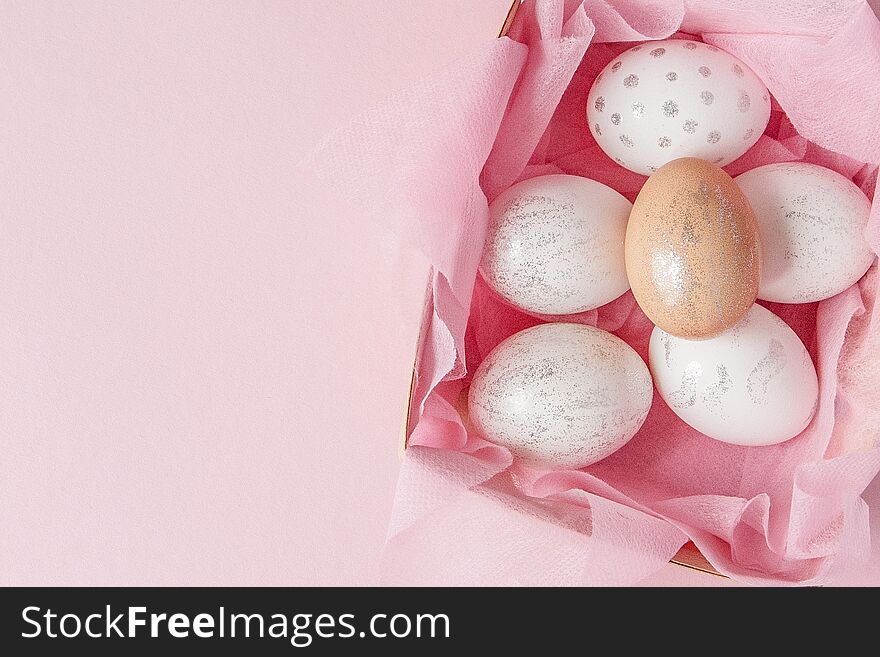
663 100
555 245
811 222
692 251
754 384
560 395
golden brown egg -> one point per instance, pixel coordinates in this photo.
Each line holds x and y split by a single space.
692 251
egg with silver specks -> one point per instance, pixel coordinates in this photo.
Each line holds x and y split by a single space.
663 100
811 222
755 384
554 245
560 395
692 251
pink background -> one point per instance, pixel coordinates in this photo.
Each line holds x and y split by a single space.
186 396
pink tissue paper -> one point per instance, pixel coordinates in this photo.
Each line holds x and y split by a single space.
427 162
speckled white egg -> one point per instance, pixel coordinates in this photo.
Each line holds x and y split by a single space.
561 395
663 100
811 221
555 245
754 384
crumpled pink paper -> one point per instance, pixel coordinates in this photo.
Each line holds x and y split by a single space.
428 161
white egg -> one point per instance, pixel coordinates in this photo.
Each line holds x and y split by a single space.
663 100
755 384
812 226
555 245
562 395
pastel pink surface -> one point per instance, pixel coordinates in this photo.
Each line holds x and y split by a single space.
196 335
790 513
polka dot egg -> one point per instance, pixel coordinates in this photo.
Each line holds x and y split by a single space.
663 100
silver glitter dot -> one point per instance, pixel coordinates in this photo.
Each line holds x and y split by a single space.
738 70
707 97
748 134
688 233
638 110
636 49
768 367
598 129
664 142
669 108
718 160
631 81
704 71
618 160
652 169
615 67
690 45
599 104
658 52
686 395
690 126
666 341
672 76
626 141
615 118
743 103
713 137
714 394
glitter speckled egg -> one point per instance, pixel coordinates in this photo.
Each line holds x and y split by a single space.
754 384
561 395
692 251
662 100
812 226
555 245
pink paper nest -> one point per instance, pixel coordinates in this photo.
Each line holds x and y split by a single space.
427 161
